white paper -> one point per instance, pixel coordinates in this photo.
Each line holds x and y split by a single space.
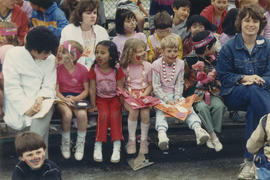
45 108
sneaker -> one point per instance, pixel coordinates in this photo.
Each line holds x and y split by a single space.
247 170
144 147
209 144
201 135
163 141
217 145
79 152
65 149
131 147
115 158
97 155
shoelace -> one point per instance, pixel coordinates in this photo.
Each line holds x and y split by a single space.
79 147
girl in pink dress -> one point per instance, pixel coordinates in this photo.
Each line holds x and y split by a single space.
105 77
138 82
71 87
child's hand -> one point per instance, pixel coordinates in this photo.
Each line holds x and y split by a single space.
169 102
69 101
93 109
73 98
176 101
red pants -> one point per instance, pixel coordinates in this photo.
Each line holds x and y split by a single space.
109 115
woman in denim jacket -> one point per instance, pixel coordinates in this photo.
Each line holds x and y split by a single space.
244 71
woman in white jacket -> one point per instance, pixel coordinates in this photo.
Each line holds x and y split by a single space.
83 29
29 78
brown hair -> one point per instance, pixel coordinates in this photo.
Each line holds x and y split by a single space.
11 39
130 48
245 2
162 20
84 5
254 11
28 141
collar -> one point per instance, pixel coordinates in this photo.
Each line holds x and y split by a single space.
179 26
239 43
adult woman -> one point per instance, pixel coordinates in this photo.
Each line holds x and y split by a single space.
84 30
244 71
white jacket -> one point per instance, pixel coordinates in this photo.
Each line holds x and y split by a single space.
72 32
25 79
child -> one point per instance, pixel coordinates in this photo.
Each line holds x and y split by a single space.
216 13
134 6
266 33
125 25
181 9
211 107
8 39
163 25
71 87
228 26
195 24
104 79
46 13
30 148
168 79
258 144
138 82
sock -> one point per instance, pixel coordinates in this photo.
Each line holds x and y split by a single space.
98 145
144 131
196 126
116 145
132 126
81 136
66 136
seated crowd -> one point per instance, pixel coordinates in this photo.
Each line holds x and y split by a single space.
51 50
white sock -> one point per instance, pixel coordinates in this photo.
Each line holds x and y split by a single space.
66 136
98 145
81 136
144 131
116 145
132 126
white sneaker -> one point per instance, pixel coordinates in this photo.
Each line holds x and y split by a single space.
209 144
115 158
201 135
98 153
163 140
247 170
217 145
79 152
65 149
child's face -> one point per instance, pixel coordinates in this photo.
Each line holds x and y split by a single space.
130 25
67 57
220 5
170 54
195 28
34 159
162 33
89 17
102 55
182 13
139 55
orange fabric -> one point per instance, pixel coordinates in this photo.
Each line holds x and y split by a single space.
173 110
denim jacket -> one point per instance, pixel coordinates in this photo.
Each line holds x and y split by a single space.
235 61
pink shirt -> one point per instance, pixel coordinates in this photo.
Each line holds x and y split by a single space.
120 40
3 51
106 83
72 82
136 75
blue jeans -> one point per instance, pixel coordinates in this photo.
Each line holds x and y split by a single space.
252 99
161 121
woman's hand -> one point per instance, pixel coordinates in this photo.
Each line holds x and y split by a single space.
252 79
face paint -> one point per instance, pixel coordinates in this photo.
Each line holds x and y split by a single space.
141 57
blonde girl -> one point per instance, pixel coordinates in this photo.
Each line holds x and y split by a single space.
138 82
72 86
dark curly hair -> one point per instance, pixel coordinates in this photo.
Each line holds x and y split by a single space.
112 51
41 39
120 17
84 5
228 24
254 11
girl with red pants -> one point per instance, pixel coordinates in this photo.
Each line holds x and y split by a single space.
104 79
